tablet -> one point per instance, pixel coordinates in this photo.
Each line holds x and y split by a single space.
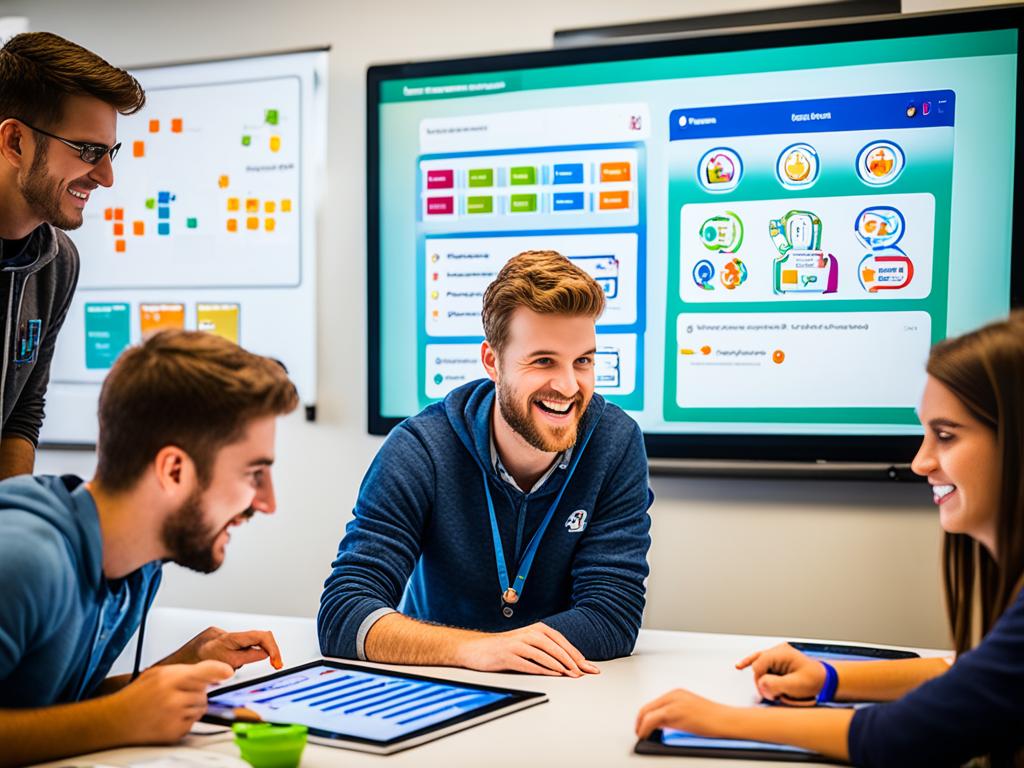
667 741
671 742
366 708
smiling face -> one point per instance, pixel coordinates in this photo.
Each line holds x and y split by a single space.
196 536
544 376
57 184
960 458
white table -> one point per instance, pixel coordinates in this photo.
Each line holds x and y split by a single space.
586 722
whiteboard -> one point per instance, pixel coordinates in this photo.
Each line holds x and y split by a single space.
210 225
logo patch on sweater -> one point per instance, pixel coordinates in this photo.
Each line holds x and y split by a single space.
28 342
577 521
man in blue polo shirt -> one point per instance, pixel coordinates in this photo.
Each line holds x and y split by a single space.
506 527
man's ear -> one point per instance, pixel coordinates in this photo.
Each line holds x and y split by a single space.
11 143
489 358
175 471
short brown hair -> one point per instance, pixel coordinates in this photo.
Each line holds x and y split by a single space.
190 389
545 282
39 70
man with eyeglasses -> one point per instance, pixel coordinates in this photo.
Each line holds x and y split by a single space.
58 135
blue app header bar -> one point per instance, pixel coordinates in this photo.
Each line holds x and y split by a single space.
917 109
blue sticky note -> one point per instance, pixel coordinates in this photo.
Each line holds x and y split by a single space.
163 228
164 198
163 212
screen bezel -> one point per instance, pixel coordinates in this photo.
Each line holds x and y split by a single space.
514 697
876 449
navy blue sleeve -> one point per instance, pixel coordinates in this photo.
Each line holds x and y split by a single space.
609 571
381 544
975 708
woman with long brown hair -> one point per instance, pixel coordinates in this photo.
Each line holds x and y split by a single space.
936 712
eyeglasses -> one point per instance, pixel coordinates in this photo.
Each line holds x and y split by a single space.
90 153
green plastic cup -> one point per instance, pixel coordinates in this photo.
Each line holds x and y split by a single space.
265 745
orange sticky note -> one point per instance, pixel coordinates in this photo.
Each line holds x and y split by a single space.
268 224
120 246
252 223
108 213
119 214
138 149
232 225
286 206
232 203
252 205
270 206
139 228
119 229
154 126
223 182
176 125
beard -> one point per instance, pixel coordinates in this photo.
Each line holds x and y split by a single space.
45 194
520 419
189 540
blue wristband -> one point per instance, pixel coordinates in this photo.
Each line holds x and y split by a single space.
828 690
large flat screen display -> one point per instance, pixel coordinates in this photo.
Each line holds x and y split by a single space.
783 222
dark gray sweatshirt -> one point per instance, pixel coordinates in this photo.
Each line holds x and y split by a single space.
37 284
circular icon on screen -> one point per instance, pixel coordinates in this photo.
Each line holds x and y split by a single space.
880 163
703 274
797 166
719 170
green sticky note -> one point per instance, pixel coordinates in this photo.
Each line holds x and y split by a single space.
271 117
246 140
480 204
151 203
191 222
524 174
107 333
522 203
481 177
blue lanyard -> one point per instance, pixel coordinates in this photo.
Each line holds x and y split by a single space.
511 592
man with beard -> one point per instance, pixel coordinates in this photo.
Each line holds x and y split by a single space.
186 443
58 119
518 505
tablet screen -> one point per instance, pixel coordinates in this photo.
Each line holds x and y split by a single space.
358 702
673 738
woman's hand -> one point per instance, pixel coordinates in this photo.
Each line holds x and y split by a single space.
683 711
785 675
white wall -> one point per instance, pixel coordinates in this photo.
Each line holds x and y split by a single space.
851 560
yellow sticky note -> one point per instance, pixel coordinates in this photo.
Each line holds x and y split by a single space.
223 181
232 203
218 319
275 143
270 206
268 224
252 205
286 206
252 223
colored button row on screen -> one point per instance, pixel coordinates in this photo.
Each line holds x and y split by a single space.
440 205
609 201
480 204
567 173
522 203
524 175
567 201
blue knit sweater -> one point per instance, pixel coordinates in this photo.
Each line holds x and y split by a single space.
421 541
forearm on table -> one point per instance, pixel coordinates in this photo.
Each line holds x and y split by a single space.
49 733
112 685
884 680
821 729
397 639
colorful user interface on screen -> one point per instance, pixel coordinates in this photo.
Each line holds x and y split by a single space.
356 703
781 234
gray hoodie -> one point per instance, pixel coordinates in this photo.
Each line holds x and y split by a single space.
36 288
